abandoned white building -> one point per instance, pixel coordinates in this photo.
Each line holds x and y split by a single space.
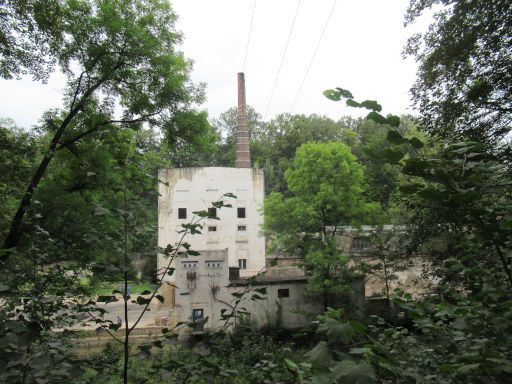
238 231
232 249
200 286
206 286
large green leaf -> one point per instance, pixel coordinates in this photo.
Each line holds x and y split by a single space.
395 137
332 94
376 117
320 356
371 104
98 211
416 143
353 373
392 155
337 331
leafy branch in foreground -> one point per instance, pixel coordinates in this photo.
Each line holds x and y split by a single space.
457 202
181 249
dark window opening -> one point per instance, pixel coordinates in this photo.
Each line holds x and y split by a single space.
284 292
212 212
197 314
212 229
242 263
213 264
241 213
182 213
197 319
242 228
189 264
361 243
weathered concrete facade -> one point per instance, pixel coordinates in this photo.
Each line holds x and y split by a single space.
286 302
205 290
407 273
238 232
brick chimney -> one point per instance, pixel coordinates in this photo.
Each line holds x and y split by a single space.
243 154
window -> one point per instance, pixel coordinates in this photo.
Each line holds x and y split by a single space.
241 213
212 212
182 213
242 263
242 228
189 264
198 319
197 315
213 264
361 243
283 292
212 229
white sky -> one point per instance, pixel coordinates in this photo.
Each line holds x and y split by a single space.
360 51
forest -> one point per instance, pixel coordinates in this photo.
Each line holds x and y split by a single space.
79 192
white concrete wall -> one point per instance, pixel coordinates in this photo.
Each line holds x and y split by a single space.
203 283
195 189
291 312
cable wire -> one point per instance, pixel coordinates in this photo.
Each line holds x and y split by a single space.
249 36
313 57
282 60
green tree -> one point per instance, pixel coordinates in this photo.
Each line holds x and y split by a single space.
116 53
19 151
276 143
457 208
464 83
80 192
326 184
30 34
368 145
456 204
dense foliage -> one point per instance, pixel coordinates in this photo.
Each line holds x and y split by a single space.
79 203
116 53
30 34
326 192
463 88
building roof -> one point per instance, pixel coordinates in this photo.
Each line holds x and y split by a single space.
347 229
266 280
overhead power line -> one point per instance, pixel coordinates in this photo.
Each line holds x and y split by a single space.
249 36
282 60
313 56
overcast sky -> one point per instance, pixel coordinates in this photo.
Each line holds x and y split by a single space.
360 51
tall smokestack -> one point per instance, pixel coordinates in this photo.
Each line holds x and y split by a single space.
243 154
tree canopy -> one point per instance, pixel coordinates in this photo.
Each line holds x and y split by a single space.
123 70
326 184
464 82
86 180
30 35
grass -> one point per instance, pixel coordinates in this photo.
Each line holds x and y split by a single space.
106 287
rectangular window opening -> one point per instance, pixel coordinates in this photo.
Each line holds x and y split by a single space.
241 213
182 213
283 292
242 228
242 263
197 315
212 212
212 229
361 243
214 264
